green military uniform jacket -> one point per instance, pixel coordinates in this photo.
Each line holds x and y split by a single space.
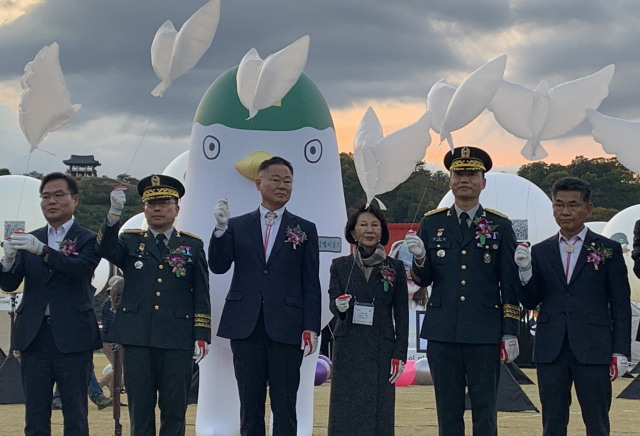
158 309
474 296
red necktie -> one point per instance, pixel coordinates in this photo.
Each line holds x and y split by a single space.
270 218
566 270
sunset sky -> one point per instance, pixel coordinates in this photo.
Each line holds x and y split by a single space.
363 53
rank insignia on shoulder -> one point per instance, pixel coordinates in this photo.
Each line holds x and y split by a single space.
495 212
435 211
190 235
138 231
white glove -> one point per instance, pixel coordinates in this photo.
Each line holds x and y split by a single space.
118 199
619 366
222 214
200 350
309 342
342 304
10 252
415 246
27 242
522 257
509 348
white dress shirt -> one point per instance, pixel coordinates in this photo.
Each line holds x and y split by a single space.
56 236
471 212
274 228
167 235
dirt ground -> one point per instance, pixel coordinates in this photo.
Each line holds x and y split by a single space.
415 414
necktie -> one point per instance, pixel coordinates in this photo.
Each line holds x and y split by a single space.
162 247
569 251
269 219
464 227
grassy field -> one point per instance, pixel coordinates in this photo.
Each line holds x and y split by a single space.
415 414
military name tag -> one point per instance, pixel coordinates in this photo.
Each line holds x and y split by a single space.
487 258
138 265
363 314
440 253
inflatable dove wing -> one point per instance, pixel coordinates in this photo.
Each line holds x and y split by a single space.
544 113
619 137
262 84
472 97
174 53
45 101
438 101
383 162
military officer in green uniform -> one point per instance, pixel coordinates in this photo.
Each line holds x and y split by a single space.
465 252
164 308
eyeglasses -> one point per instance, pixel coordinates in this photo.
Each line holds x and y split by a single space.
278 180
58 195
573 207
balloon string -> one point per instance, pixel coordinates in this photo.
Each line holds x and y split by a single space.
426 188
24 181
143 135
526 210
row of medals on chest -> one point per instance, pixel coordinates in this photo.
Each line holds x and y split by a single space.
139 264
486 258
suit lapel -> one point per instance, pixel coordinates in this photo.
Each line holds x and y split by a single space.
553 251
281 236
175 241
582 257
151 245
453 224
471 234
255 233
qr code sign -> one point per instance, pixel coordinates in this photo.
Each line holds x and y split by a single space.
13 226
521 229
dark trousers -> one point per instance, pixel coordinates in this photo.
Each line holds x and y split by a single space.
157 375
593 388
456 366
259 360
42 366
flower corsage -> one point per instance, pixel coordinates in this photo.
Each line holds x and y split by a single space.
296 236
483 229
388 276
177 259
597 255
68 247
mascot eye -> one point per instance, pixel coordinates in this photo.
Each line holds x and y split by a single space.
211 147
313 151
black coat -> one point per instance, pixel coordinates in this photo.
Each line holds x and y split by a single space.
288 284
593 310
62 282
157 309
475 286
362 399
636 258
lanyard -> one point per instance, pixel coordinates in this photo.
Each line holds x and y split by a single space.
353 287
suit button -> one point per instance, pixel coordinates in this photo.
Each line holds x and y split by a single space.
464 267
463 282
187 316
157 307
124 309
462 298
464 251
438 245
157 294
497 307
159 280
265 271
160 266
567 294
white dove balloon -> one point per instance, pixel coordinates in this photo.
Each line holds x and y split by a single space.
383 162
262 84
472 97
438 100
544 113
619 137
174 53
45 101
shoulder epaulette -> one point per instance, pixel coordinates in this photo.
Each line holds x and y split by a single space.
191 235
434 211
134 231
495 212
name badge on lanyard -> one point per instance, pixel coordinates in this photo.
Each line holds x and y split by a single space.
363 314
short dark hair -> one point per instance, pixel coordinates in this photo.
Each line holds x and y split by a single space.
275 160
374 210
572 184
71 184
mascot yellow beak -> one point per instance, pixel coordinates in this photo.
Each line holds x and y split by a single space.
248 166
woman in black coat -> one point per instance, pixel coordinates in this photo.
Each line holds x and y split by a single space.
368 294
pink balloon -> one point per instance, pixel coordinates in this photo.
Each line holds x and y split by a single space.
408 375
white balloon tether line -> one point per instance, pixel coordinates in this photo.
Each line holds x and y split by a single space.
426 187
142 138
24 181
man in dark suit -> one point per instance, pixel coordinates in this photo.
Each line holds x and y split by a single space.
636 259
579 280
164 308
273 304
473 314
55 327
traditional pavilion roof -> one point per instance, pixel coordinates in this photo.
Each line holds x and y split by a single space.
82 161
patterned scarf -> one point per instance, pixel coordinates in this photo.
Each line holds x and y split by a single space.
366 262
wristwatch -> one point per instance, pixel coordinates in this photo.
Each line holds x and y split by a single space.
45 251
